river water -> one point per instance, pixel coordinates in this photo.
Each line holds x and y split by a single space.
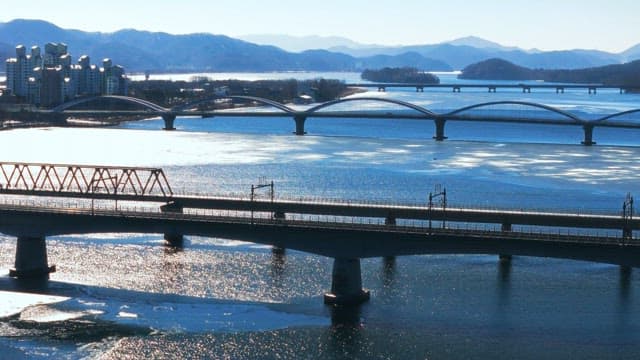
128 296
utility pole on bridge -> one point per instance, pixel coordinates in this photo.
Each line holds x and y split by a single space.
439 192
627 216
262 183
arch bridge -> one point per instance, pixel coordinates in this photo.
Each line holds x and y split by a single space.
495 111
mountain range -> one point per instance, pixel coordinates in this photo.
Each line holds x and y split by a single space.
162 52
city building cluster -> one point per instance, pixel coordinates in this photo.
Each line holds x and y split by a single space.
51 78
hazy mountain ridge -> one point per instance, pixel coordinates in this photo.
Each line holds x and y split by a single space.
302 43
159 51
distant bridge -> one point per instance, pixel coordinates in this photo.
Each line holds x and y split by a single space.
492 88
495 111
343 231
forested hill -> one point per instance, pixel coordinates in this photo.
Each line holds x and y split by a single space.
497 69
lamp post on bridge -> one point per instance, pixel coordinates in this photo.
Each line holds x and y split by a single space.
441 193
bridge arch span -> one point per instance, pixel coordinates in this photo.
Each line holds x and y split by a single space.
126 99
616 115
565 114
404 104
260 100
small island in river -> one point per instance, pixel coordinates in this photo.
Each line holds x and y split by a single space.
400 75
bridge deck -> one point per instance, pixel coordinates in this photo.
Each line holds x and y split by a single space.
362 210
326 238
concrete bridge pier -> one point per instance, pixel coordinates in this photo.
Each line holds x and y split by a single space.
300 119
31 258
173 238
390 220
168 122
439 136
279 215
278 251
346 284
588 135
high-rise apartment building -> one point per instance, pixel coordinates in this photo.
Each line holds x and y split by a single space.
52 78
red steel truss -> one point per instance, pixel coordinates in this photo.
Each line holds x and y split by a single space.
85 179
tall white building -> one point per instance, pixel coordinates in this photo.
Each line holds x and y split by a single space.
20 69
53 79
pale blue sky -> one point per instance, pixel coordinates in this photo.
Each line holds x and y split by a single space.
612 25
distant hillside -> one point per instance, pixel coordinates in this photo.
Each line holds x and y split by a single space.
498 69
157 51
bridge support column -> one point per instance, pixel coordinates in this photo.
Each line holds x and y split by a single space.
559 90
588 135
277 250
168 122
346 284
440 129
505 258
173 238
279 215
390 220
31 258
300 119
593 90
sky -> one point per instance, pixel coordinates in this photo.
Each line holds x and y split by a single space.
610 25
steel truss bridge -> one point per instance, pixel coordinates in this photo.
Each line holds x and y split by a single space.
518 112
35 197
